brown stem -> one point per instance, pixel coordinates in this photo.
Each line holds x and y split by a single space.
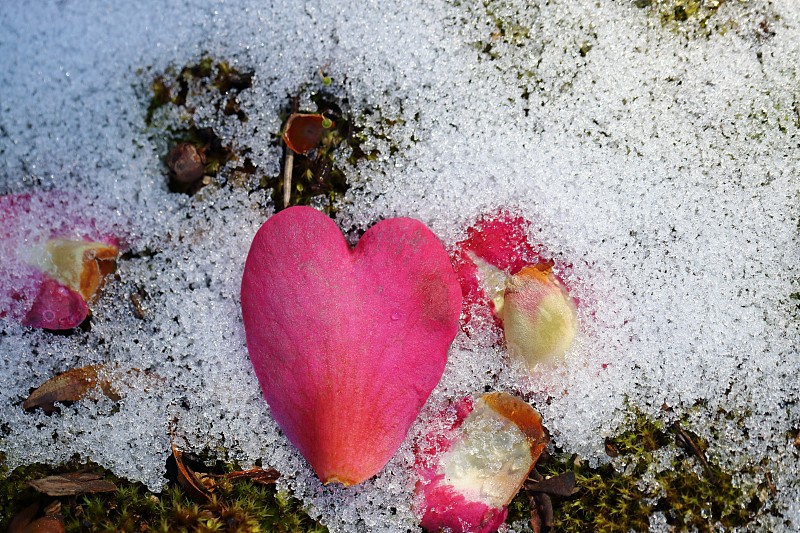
287 176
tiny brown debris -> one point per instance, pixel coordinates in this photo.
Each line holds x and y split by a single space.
560 485
138 308
304 131
541 512
611 449
773 490
538 489
687 440
72 484
70 386
186 163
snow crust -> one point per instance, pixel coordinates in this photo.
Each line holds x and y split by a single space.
657 162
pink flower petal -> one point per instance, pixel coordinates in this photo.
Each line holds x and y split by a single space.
347 344
501 241
56 307
470 472
55 236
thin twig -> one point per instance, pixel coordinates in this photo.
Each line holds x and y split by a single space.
288 163
701 456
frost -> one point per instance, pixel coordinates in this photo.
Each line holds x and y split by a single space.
657 160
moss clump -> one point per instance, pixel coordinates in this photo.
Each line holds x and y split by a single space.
693 17
692 493
239 505
605 501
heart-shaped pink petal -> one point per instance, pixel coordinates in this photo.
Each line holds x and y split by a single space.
347 343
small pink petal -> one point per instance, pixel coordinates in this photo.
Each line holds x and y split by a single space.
56 307
499 240
79 264
59 235
347 343
471 474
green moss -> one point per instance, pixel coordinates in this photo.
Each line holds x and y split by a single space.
695 17
612 500
319 177
235 505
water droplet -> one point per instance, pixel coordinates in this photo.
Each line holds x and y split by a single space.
396 314
48 315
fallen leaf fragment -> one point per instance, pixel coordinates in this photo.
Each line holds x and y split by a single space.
72 484
71 386
188 479
560 485
261 476
470 473
304 131
51 522
541 512
347 344
24 518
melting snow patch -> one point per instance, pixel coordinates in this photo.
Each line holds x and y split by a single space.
659 162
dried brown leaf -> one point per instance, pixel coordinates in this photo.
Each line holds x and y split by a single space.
536 521
560 485
26 521
72 484
544 511
24 518
70 386
188 479
257 475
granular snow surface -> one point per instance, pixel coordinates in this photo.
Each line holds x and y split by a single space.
656 159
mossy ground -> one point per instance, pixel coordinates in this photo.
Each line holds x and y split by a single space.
657 469
240 505
691 497
318 177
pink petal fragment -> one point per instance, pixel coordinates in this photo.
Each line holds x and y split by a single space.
539 317
60 236
469 473
501 241
56 307
347 344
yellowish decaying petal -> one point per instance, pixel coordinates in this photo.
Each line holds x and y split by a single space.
80 265
539 317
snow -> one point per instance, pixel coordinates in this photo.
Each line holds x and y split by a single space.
656 159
